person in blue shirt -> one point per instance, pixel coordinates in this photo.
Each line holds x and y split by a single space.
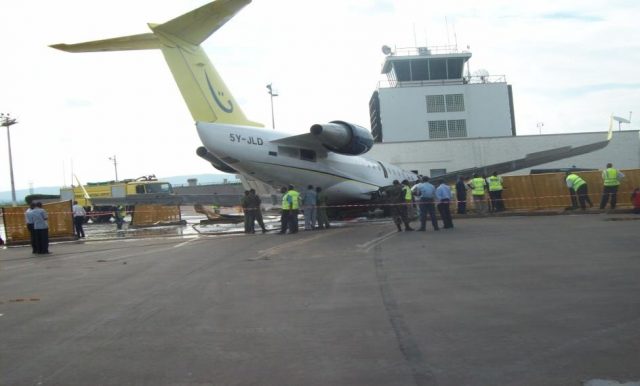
427 193
309 202
443 195
41 229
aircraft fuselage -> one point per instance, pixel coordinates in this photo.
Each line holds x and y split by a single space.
251 151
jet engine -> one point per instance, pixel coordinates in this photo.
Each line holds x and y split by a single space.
202 152
343 137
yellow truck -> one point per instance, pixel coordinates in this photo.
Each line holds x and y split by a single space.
100 199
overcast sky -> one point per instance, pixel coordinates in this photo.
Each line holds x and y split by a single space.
571 64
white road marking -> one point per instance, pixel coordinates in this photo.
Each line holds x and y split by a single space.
377 241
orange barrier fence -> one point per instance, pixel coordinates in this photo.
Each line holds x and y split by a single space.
547 191
150 215
60 222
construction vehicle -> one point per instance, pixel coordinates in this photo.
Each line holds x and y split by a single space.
100 199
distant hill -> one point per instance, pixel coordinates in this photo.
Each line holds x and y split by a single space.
203 179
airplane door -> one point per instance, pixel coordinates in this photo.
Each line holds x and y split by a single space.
384 170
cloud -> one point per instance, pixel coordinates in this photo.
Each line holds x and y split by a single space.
573 16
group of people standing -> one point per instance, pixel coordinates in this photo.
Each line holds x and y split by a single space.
479 187
314 204
429 197
579 190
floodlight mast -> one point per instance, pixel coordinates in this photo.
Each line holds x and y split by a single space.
272 94
7 121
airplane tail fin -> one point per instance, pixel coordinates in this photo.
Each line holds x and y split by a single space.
206 95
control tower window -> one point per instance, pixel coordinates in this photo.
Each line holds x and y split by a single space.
454 68
402 70
419 70
435 104
438 69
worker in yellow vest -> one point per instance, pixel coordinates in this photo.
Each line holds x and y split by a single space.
611 178
579 188
495 192
477 186
284 215
294 201
408 198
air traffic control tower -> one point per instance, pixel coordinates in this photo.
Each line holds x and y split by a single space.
428 96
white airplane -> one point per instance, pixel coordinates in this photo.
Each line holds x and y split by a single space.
329 155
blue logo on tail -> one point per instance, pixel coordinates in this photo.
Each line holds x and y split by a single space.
214 94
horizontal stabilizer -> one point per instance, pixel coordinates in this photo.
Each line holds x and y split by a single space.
196 26
146 41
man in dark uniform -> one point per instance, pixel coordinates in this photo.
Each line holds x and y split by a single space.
396 199
254 204
461 195
248 213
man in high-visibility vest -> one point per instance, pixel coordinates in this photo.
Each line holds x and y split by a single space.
477 186
579 186
495 192
408 198
611 178
397 199
294 201
284 215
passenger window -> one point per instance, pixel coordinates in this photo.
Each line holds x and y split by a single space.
288 151
307 155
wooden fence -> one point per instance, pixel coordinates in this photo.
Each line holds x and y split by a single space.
549 191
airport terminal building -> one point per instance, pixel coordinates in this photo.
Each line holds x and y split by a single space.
431 118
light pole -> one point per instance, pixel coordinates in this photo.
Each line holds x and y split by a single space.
115 165
273 120
539 125
7 121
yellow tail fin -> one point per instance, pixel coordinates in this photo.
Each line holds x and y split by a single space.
204 92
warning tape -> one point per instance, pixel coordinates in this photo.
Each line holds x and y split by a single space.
486 198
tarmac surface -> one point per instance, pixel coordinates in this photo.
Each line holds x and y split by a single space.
544 300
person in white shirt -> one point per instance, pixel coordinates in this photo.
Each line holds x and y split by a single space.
78 219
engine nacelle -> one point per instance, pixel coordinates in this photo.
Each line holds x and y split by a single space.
202 152
343 137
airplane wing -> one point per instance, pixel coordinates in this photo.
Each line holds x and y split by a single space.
532 159
528 161
304 141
